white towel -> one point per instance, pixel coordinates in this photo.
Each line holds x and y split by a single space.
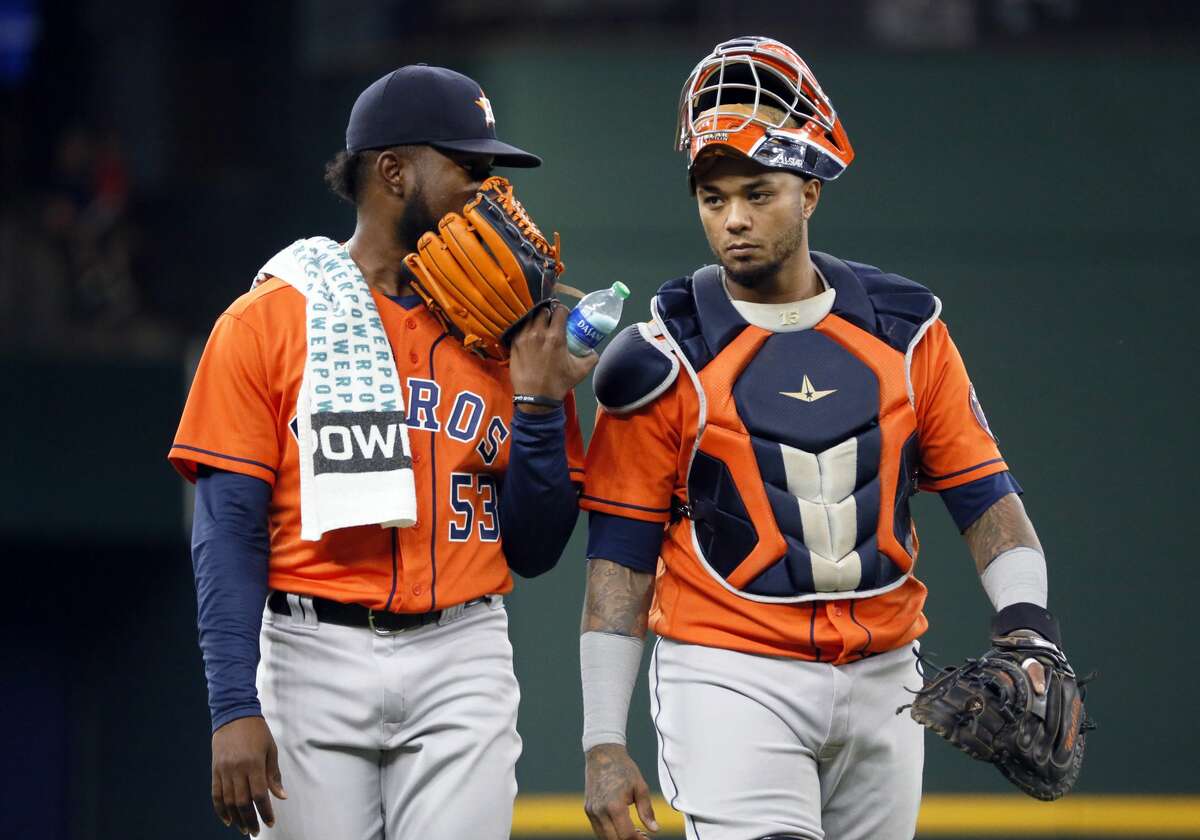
355 458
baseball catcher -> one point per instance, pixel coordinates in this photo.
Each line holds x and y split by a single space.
747 487
485 271
1019 706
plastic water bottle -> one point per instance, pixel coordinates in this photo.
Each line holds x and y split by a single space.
594 318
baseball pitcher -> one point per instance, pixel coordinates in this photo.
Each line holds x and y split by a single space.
378 432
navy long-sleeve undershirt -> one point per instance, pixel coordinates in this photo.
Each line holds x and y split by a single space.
538 502
230 546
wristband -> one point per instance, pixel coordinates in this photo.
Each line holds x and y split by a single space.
1016 576
1027 617
608 668
535 399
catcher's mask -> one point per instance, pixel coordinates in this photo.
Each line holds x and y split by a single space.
757 97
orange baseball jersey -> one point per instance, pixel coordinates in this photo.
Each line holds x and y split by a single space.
240 416
781 463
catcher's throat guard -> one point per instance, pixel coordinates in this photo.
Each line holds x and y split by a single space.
485 270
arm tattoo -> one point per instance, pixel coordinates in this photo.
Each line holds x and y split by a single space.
1003 526
617 600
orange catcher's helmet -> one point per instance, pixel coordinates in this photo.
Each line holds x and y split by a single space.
756 96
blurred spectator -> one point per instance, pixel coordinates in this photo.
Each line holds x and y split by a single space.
923 23
68 260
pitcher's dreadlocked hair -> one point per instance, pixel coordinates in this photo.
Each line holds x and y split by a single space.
344 175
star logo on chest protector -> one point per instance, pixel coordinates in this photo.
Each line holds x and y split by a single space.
807 393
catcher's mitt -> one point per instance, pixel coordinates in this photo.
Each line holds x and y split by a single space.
990 710
484 271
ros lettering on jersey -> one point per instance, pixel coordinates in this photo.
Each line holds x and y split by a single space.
423 398
493 439
367 441
465 417
463 421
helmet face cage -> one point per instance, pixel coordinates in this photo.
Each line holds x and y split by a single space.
758 96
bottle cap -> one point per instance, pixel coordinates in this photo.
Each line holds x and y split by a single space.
621 290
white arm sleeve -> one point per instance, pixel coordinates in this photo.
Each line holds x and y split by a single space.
1016 576
608 668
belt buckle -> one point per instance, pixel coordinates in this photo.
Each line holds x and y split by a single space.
379 631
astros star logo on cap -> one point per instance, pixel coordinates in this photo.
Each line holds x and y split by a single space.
483 103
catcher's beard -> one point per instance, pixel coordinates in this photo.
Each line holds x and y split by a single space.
416 219
761 275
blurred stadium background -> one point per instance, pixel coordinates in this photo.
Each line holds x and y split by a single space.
1031 160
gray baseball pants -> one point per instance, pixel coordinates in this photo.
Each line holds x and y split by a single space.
751 746
410 735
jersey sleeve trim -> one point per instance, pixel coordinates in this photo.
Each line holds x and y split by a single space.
937 483
632 543
185 459
963 472
967 502
630 511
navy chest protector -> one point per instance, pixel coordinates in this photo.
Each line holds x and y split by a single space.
805 455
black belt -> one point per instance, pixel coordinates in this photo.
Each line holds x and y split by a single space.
356 615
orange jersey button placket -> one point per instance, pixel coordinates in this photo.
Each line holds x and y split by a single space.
414 589
854 636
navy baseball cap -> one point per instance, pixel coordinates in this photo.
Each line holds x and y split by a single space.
422 105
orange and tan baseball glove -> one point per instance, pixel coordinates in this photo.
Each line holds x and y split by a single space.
485 271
